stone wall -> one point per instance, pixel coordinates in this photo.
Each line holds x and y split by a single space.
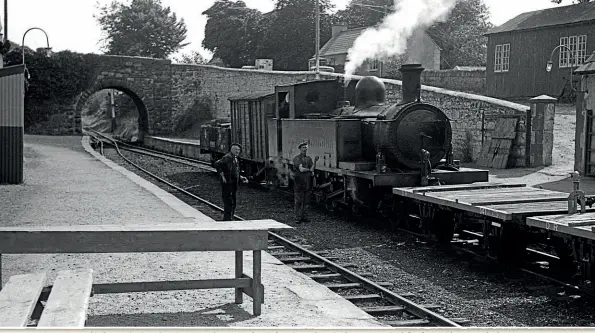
191 83
465 110
467 113
174 94
473 81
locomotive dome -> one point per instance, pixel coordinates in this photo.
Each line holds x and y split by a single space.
369 91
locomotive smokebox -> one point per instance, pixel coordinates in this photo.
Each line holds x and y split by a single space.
411 82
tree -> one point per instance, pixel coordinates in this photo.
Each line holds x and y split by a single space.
364 13
233 32
461 35
193 57
291 33
142 28
574 1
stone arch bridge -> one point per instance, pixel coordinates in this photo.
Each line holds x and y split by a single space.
165 93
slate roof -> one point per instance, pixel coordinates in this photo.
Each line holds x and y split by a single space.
562 15
341 43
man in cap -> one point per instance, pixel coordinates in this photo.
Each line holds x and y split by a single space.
229 170
302 185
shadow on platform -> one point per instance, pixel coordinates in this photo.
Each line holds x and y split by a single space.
220 316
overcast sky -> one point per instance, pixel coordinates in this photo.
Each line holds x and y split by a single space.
70 23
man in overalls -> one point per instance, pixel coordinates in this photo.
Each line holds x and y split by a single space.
228 168
302 183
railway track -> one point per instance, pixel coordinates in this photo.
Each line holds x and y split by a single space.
462 245
397 310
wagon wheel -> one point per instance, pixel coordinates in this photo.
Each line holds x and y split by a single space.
335 207
511 248
398 216
443 226
563 249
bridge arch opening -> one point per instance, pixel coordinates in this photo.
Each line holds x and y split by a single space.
114 109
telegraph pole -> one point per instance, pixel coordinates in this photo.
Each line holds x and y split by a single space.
317 40
5 20
4 32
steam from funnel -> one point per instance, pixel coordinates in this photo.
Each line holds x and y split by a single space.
390 37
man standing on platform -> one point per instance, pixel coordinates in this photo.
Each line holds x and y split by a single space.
302 182
229 170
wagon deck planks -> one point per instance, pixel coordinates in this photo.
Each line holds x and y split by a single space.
501 201
582 225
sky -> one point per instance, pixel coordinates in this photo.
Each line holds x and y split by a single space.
71 25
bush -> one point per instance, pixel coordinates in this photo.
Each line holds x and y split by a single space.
197 114
54 81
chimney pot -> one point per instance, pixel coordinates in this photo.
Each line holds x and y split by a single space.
411 82
337 28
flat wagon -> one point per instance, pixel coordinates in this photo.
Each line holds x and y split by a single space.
505 219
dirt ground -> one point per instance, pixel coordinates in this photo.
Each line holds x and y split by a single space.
554 176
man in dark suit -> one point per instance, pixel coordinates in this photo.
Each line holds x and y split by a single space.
229 171
302 181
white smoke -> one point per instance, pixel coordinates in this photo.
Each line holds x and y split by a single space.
390 37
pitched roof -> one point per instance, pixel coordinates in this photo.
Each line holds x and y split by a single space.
548 17
343 41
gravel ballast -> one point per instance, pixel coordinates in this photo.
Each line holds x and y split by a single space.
488 295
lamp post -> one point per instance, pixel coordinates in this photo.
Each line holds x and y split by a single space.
47 50
317 41
571 59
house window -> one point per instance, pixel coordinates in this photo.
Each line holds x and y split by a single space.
578 46
373 65
502 58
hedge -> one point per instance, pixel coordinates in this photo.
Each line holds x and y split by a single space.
54 81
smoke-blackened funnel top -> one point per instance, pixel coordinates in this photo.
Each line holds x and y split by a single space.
369 91
411 82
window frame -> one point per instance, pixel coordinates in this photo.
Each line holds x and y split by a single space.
578 45
502 58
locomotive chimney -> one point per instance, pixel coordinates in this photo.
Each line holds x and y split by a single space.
411 82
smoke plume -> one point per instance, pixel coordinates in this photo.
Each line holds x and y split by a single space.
390 37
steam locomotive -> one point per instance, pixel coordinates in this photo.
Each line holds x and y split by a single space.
365 145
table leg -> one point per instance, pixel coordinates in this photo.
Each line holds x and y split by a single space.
239 272
256 282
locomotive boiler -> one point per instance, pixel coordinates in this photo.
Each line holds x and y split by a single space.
399 133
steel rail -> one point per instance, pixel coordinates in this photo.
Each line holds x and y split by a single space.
350 275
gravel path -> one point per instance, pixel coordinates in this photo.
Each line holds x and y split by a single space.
487 295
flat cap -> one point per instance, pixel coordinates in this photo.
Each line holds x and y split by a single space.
303 144
236 144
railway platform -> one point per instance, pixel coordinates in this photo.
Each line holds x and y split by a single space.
66 183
